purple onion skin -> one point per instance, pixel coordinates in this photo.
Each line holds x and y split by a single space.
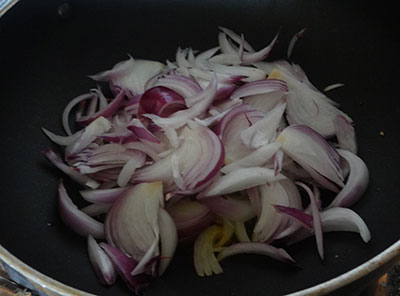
160 100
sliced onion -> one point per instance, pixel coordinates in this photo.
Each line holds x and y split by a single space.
356 184
231 208
129 168
298 215
269 220
313 153
124 266
107 112
232 124
241 179
200 157
185 86
263 131
241 232
345 134
69 107
132 222
260 87
137 127
131 75
99 126
72 173
96 209
317 224
256 248
60 140
293 41
169 240
107 196
342 219
78 221
205 261
235 37
190 217
101 263
254 159
161 101
180 118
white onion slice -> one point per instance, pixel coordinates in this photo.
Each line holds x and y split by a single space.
241 179
168 240
343 219
256 248
101 263
78 221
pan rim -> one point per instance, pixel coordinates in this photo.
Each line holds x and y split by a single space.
21 272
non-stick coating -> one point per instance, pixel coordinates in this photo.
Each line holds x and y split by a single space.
44 60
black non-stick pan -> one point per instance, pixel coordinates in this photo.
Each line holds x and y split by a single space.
46 51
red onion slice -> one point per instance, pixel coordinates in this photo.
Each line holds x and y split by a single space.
255 158
78 221
61 140
269 220
357 181
263 131
107 112
168 240
69 107
298 215
235 37
345 134
190 217
137 127
317 224
256 248
107 196
94 210
230 208
130 75
312 152
293 41
241 179
101 263
72 173
185 86
129 168
124 266
180 118
260 87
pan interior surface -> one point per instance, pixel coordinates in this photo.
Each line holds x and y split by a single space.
45 58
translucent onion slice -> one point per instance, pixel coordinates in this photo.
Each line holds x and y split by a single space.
78 221
256 248
101 263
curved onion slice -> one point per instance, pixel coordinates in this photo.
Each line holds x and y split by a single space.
230 208
205 262
317 224
169 240
130 75
345 134
313 153
124 266
161 101
75 219
132 222
190 217
241 179
357 181
254 159
61 140
200 157
72 173
107 196
185 86
342 219
101 263
269 220
180 118
256 248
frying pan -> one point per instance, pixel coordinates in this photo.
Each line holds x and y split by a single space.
44 60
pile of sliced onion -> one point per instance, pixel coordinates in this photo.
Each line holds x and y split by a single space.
214 149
